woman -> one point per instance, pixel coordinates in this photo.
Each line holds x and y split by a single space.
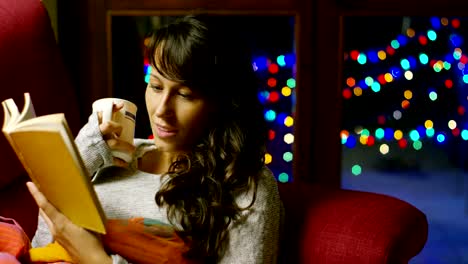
203 172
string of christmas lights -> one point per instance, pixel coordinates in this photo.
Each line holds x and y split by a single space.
426 82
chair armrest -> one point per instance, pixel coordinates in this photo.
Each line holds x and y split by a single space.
325 225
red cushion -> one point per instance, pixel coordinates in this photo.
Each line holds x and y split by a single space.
343 226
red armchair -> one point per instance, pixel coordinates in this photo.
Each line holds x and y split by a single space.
29 62
322 225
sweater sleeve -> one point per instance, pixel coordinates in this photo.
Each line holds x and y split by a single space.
93 149
254 238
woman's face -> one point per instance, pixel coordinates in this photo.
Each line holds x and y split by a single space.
178 115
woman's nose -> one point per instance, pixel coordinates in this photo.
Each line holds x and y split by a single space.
164 107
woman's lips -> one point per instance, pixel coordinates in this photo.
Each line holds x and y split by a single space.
165 132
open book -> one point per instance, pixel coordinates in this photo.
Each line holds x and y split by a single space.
47 150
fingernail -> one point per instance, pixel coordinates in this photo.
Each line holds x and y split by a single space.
30 185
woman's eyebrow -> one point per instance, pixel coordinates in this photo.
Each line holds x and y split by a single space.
155 76
175 86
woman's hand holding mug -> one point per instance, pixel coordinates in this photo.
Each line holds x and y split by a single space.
117 125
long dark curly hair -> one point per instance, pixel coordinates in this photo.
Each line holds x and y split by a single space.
204 54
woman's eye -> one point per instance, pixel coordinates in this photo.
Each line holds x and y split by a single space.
156 87
185 95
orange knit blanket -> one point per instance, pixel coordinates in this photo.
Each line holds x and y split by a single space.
138 240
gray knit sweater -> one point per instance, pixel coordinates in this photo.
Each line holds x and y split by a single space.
126 193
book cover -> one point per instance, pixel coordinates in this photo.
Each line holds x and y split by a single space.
46 148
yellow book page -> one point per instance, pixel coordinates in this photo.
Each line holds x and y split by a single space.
12 116
60 177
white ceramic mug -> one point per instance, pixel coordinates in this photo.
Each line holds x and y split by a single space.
125 116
